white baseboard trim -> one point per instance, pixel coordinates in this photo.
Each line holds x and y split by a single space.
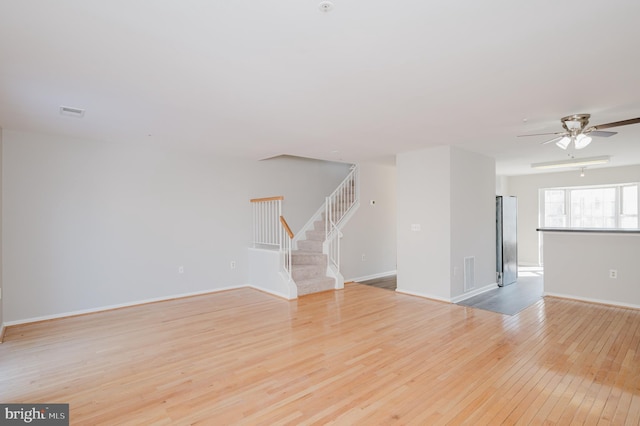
590 300
272 292
475 292
372 277
423 295
118 306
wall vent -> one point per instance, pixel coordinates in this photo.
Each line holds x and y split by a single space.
71 111
469 273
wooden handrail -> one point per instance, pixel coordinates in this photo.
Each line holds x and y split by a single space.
286 226
260 200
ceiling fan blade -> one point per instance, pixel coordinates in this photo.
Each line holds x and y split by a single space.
543 134
601 134
616 124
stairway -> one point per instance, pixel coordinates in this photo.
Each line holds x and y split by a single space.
314 265
309 264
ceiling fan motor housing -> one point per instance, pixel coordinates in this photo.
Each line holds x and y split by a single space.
575 123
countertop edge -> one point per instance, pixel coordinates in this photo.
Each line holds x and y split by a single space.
590 230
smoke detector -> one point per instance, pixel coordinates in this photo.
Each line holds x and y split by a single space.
71 111
325 6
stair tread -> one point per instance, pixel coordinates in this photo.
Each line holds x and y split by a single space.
306 266
310 245
301 252
315 235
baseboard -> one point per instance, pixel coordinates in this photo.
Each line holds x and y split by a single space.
117 306
424 295
372 277
475 292
271 292
596 301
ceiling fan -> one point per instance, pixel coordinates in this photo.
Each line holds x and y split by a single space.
576 131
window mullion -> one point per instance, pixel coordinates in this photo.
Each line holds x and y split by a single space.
567 207
618 207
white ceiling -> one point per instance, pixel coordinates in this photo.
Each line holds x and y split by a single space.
360 83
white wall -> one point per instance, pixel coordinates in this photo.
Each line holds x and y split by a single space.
424 199
577 265
450 194
372 230
502 185
94 224
473 218
303 182
91 224
526 188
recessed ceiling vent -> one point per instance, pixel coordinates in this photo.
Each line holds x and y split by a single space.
72 112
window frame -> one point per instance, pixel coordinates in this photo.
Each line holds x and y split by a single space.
618 216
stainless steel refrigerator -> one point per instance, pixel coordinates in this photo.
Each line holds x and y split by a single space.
506 240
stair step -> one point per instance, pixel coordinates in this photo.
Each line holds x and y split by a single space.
315 285
315 235
305 272
301 257
336 213
312 246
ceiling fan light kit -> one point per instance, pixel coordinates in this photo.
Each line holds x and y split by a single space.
582 141
579 141
564 142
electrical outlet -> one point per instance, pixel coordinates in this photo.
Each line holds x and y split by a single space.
181 269
415 227
364 257
232 265
613 273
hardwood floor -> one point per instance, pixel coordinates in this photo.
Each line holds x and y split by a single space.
361 355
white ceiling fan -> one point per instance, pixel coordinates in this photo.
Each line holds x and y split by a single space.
576 131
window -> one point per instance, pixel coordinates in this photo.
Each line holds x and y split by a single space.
629 211
554 208
611 206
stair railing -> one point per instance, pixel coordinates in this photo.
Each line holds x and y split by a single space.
266 222
338 206
285 246
270 229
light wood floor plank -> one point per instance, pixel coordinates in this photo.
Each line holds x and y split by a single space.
361 355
